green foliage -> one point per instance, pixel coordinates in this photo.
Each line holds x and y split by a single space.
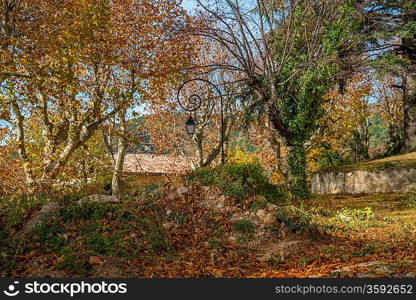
178 218
298 179
294 218
214 243
365 250
73 261
410 199
386 165
99 243
151 188
92 210
244 226
300 91
258 204
239 181
350 217
273 261
330 158
151 192
101 229
156 238
402 14
49 235
349 214
13 211
389 63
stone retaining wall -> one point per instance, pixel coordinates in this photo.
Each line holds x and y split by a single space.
364 182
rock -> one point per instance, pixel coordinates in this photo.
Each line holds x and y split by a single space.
261 214
99 198
38 219
367 265
168 212
232 239
222 199
283 249
267 219
95 260
171 195
168 225
179 192
182 191
270 220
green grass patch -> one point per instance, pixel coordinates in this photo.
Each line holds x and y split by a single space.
244 227
239 181
76 232
13 211
406 161
295 219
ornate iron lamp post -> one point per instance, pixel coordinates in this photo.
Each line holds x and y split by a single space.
193 103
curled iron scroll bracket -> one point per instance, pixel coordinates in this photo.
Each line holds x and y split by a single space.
194 101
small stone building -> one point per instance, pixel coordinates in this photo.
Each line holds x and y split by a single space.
147 169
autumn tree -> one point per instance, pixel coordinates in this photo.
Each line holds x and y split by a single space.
345 118
391 24
149 65
75 62
290 53
389 107
166 122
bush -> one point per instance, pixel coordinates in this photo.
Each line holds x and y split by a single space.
13 211
92 210
244 226
330 158
294 218
239 181
49 235
411 198
347 215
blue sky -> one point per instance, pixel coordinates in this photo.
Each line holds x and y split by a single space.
188 4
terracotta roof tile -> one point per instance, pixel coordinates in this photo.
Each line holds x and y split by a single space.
156 164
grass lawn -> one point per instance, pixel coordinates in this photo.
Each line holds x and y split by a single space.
407 161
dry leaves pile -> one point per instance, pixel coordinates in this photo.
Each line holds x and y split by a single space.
202 240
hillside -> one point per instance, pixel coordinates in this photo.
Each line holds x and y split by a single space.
195 231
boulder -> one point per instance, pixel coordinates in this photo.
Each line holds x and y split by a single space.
181 191
38 219
266 218
261 214
177 193
270 220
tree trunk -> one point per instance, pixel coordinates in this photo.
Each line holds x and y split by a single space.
298 186
30 182
118 163
409 107
199 148
117 182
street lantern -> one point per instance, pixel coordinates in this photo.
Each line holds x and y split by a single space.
190 126
193 102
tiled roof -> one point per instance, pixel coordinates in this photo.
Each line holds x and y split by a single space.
156 164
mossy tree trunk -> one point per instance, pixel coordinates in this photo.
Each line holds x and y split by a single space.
297 176
409 109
